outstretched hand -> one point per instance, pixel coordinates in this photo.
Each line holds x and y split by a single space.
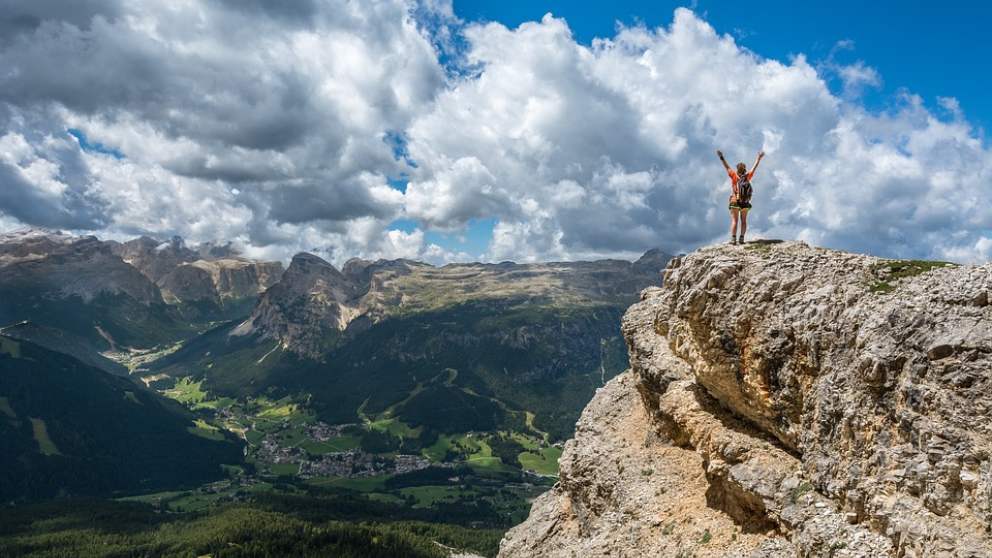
761 154
719 153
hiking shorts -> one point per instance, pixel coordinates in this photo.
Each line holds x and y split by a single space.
743 206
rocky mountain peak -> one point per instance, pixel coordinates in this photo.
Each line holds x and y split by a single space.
208 273
307 272
314 292
786 400
358 270
654 260
305 262
57 265
35 242
311 299
152 257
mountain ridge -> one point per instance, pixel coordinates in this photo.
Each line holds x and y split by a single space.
209 282
121 296
334 299
378 337
77 284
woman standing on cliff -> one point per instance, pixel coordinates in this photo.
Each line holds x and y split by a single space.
740 195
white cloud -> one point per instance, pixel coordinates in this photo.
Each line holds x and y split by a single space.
608 149
952 106
629 125
274 125
858 76
455 193
22 158
8 224
254 120
412 245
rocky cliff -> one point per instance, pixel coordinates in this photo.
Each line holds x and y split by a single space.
210 274
78 285
112 295
219 281
56 265
154 258
313 301
785 400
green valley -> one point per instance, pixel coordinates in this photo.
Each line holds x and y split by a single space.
68 429
389 406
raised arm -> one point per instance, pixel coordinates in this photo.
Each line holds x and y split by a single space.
722 160
761 155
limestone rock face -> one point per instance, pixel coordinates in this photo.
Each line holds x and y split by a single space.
220 280
311 299
627 491
154 258
210 273
56 266
314 301
839 405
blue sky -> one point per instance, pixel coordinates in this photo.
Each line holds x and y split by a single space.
340 127
473 240
914 46
930 48
94 147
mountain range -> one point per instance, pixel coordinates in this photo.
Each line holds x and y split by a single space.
209 282
134 295
766 400
464 363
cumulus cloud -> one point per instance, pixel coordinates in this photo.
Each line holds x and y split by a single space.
43 179
263 121
608 149
856 77
281 126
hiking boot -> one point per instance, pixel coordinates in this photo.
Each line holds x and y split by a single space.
740 240
733 241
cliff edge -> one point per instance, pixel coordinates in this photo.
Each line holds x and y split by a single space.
786 400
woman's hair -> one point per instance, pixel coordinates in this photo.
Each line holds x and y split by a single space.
741 168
